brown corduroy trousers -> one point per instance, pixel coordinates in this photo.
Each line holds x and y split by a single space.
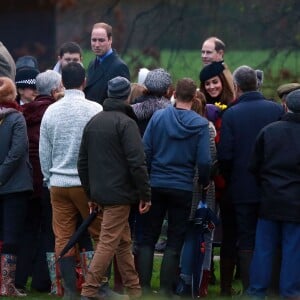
115 239
67 203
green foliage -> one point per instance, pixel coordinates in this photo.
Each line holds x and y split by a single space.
279 67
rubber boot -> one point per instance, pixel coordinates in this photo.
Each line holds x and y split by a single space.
168 272
145 266
245 257
203 290
8 270
85 261
67 269
227 266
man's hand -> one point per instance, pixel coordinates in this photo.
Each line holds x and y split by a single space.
144 206
93 206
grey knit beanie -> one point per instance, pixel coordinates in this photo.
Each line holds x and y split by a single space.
293 101
119 87
158 81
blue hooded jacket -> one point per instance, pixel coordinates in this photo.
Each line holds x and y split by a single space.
176 141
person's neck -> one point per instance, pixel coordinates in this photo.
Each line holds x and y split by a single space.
25 101
183 105
110 51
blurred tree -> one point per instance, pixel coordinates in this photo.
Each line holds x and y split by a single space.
143 29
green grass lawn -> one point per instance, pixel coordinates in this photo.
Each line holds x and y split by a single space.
214 290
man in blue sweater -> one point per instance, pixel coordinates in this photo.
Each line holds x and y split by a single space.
176 141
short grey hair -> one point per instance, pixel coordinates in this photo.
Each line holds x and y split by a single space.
245 78
48 81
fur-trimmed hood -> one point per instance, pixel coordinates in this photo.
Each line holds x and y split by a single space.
4 111
148 104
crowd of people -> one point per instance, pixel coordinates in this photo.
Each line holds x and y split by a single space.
137 154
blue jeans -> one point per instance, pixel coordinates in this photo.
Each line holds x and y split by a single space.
269 235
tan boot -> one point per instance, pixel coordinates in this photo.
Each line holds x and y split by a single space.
8 270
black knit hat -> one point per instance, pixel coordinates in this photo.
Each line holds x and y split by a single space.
25 78
293 101
119 87
211 70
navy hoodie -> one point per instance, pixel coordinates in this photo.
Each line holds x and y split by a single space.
176 141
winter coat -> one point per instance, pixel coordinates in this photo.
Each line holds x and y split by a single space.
33 113
176 141
146 106
241 124
276 165
99 75
111 163
197 191
15 169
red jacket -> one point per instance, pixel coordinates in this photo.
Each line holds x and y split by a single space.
33 113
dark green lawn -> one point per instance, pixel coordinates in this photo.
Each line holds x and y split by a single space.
213 289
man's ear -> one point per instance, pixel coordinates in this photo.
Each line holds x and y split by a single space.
84 83
237 90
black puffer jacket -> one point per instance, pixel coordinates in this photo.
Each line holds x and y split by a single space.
276 164
111 162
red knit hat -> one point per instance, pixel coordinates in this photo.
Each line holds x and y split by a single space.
8 90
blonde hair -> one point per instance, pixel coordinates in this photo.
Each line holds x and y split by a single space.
199 103
136 91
